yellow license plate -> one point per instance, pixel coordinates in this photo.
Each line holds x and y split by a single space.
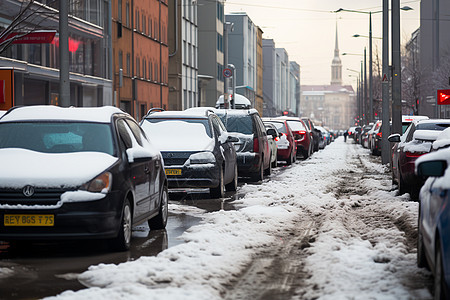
173 171
29 220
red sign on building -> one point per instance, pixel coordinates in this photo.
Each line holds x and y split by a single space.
443 97
35 37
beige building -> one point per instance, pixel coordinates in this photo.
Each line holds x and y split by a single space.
333 105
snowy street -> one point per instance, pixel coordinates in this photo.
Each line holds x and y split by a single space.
329 227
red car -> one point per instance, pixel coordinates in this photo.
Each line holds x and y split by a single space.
416 141
287 148
302 135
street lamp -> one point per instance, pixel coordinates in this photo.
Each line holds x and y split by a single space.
366 36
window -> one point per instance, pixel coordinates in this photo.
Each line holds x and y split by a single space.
128 64
150 70
137 20
119 10
127 14
150 33
120 59
138 73
144 27
144 68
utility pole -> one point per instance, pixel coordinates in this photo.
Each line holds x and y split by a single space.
365 87
227 28
396 76
385 128
64 81
370 72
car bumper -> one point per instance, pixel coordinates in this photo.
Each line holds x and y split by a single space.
194 176
248 162
73 220
283 154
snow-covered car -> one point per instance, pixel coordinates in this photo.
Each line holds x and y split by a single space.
272 136
286 143
416 141
433 243
198 152
78 173
253 152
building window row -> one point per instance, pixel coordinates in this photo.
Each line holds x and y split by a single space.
220 11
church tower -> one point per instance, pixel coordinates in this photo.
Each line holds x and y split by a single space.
336 65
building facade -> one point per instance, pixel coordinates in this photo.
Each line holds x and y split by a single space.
282 79
434 56
141 55
211 49
294 88
36 66
259 105
183 55
269 85
242 54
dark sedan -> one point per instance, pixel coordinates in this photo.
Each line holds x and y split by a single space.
197 149
78 173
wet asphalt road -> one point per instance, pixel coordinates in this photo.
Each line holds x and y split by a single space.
47 269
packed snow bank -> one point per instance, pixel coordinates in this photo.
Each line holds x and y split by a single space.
351 256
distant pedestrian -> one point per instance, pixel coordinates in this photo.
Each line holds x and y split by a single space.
345 135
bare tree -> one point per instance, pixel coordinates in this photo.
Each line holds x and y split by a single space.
29 19
411 79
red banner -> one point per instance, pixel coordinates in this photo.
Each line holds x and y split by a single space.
36 37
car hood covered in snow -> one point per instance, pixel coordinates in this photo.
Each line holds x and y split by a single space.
20 167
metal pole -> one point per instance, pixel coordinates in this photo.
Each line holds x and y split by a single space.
396 76
64 82
365 88
226 27
361 98
370 71
385 130
436 51
233 85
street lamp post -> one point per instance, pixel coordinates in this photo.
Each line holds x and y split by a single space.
396 76
385 130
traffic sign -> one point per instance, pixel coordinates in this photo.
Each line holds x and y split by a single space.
443 97
227 73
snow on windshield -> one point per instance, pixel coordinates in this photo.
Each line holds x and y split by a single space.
20 167
178 135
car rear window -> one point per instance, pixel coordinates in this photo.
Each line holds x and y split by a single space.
278 125
57 137
238 123
432 126
296 125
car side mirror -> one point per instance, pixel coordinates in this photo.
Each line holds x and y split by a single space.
434 168
394 138
272 132
232 139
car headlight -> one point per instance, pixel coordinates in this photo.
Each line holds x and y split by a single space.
202 158
100 184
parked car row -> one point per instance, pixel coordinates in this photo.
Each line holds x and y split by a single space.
433 243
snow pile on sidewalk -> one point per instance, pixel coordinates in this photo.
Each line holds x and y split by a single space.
342 264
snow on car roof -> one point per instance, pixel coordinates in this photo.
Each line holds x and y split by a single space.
413 118
442 140
49 112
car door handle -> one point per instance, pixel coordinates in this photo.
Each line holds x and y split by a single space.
146 170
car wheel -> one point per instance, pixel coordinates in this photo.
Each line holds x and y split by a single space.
123 240
259 175
401 185
268 171
218 191
289 160
160 221
306 153
232 186
421 258
275 163
440 287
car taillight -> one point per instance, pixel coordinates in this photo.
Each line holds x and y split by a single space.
255 144
379 134
413 154
276 139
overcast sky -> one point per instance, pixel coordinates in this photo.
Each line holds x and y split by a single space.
306 29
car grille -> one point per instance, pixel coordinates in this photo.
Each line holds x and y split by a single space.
40 197
175 158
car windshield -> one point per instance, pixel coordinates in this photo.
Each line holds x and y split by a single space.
278 125
296 125
237 123
57 137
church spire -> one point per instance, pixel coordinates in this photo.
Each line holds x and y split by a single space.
336 65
